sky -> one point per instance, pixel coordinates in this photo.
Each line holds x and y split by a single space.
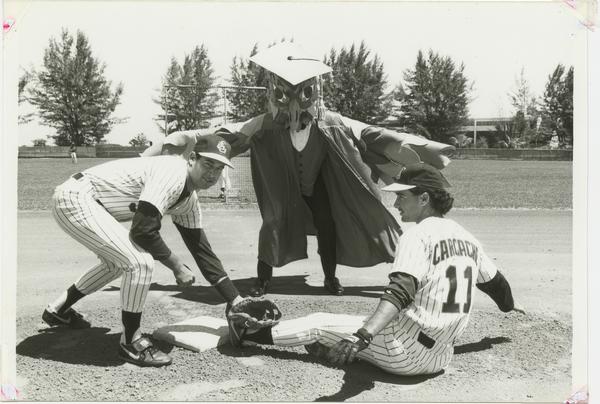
137 40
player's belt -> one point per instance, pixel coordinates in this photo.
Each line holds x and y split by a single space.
425 340
79 176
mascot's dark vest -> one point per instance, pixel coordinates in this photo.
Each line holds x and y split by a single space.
309 160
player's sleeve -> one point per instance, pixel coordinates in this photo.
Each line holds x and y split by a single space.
209 264
409 267
493 283
145 231
401 289
487 268
163 184
412 255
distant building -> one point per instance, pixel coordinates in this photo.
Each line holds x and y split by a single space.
482 127
467 135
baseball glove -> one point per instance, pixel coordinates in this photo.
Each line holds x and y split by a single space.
254 313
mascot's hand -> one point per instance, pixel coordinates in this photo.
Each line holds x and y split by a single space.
240 143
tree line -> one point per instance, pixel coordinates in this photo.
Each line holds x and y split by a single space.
72 95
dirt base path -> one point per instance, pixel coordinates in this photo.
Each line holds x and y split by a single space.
501 357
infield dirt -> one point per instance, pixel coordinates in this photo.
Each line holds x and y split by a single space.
500 357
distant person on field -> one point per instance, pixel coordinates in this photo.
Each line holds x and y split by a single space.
73 153
224 184
561 133
554 141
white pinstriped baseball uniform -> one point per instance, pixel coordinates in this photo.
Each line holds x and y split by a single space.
90 207
444 258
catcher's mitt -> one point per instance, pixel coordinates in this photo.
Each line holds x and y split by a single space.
254 313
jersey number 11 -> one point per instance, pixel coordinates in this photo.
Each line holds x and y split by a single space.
450 306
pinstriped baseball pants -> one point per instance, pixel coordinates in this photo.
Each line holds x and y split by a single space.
394 349
79 215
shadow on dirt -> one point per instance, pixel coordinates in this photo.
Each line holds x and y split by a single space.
485 343
90 346
362 376
296 285
358 377
282 285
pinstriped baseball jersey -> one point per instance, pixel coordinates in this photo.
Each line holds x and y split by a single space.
120 184
446 260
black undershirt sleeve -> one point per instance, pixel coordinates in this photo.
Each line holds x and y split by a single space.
145 231
498 289
401 290
209 264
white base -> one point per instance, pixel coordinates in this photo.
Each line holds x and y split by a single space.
197 334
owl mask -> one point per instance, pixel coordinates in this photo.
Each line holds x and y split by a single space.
296 105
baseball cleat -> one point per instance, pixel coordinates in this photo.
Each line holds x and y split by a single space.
143 353
70 319
333 286
317 350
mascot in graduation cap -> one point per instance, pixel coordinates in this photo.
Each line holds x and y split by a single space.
316 172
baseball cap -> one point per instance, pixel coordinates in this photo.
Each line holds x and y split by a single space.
420 175
290 62
214 147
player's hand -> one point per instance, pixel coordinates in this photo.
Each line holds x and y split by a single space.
518 308
345 351
184 276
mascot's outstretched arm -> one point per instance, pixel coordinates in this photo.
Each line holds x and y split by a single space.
183 142
387 152
179 143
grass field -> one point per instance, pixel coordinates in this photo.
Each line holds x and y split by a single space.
476 183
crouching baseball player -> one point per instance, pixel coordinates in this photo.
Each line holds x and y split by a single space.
426 305
89 207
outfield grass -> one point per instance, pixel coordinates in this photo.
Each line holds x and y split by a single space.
475 183
511 184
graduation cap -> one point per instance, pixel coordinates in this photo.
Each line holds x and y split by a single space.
290 62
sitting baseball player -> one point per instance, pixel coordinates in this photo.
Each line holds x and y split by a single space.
426 306
89 207
315 172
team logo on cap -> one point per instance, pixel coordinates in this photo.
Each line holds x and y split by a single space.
221 146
